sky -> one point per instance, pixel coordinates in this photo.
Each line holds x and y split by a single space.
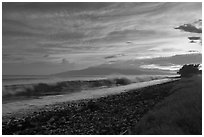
48 38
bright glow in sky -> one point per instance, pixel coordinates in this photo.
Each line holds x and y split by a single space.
45 38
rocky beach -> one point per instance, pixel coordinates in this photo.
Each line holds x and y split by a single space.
102 68
113 114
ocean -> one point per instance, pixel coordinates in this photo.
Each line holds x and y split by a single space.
21 87
33 79
23 105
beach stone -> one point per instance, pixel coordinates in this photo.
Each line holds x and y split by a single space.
108 115
62 120
52 119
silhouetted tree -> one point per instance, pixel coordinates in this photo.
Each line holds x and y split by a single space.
189 70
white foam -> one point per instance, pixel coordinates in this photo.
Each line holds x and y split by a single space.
86 94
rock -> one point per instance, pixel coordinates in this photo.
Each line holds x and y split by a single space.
62 120
52 119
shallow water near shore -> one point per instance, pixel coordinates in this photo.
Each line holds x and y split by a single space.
26 86
16 106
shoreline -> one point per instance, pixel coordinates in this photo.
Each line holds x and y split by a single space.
27 105
104 106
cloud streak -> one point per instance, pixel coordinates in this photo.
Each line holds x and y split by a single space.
87 34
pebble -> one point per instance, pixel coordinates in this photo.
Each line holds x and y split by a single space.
114 114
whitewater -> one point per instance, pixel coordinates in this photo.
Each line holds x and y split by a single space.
23 105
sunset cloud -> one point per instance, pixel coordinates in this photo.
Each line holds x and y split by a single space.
192 27
89 34
168 68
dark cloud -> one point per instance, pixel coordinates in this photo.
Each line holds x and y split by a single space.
190 28
5 55
114 56
13 23
110 57
65 61
55 36
129 42
192 41
66 35
13 58
195 27
194 38
161 61
50 6
177 59
193 51
47 55
19 34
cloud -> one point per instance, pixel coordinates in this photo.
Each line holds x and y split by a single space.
192 41
47 55
177 59
132 33
54 6
194 38
195 27
193 51
128 42
168 68
12 58
114 56
172 63
110 57
90 34
64 61
190 27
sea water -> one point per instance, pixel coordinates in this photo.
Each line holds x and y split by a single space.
13 85
22 105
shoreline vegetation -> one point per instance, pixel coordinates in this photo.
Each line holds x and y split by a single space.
170 108
178 114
